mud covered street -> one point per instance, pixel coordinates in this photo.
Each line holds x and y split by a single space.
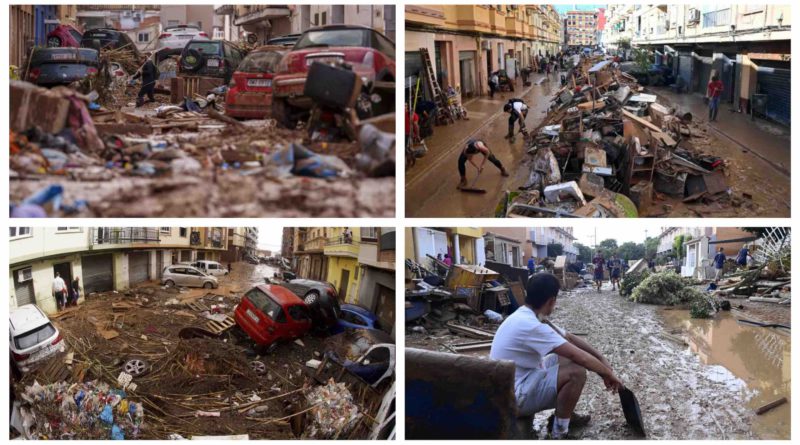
685 392
187 377
702 388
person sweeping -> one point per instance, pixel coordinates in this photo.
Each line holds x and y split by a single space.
474 147
149 75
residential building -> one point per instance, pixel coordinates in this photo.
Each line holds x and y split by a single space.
618 31
378 17
503 249
251 241
667 236
534 241
30 24
342 245
699 253
467 42
104 258
202 16
287 243
309 259
376 260
747 45
264 20
463 244
581 29
236 246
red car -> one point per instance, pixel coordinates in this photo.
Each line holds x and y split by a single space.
250 91
64 36
270 313
370 53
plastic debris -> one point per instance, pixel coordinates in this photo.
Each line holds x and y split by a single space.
334 413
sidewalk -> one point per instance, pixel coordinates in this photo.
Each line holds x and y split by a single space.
768 141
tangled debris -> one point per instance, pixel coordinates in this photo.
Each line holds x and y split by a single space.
608 149
664 288
333 412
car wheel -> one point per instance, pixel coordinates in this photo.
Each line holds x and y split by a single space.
169 283
135 367
53 42
208 285
311 298
282 113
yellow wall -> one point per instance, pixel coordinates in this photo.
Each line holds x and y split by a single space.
335 267
410 243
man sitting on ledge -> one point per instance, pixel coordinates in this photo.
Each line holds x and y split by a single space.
550 363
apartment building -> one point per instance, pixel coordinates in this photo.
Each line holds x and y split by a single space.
747 45
581 29
104 258
465 245
534 241
467 42
237 237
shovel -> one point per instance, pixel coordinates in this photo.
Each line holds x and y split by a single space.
471 188
630 407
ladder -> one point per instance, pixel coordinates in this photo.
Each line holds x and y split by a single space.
438 95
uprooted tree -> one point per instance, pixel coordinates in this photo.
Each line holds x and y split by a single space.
665 288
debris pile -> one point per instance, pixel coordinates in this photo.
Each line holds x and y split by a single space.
664 288
61 138
90 410
608 149
333 412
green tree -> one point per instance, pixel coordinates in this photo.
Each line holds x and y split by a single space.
555 249
584 253
607 247
624 43
650 246
643 59
631 251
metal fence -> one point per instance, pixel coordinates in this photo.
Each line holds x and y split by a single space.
125 235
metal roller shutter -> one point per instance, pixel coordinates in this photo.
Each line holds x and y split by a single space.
776 84
138 267
23 287
685 69
98 273
702 74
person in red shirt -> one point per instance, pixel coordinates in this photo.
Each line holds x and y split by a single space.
412 125
715 88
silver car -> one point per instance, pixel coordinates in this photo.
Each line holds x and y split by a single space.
187 276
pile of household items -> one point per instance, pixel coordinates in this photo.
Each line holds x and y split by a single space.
608 149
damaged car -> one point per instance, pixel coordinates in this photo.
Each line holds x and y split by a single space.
62 66
270 313
187 276
364 51
320 297
32 337
250 90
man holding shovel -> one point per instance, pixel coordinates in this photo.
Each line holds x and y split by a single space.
550 363
149 74
473 148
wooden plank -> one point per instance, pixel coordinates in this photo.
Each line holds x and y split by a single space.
639 120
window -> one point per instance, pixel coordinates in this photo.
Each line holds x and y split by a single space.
369 233
143 37
34 337
19 232
299 313
183 232
166 230
324 18
24 275
67 229
267 305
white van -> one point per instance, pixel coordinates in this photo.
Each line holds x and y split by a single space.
211 267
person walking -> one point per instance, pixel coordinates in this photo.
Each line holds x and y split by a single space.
598 262
741 258
517 110
59 291
531 266
719 264
149 75
494 84
714 93
74 292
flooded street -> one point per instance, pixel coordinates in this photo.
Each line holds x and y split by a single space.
761 357
704 391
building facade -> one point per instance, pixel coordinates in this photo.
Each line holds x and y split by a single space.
463 244
747 45
104 258
235 251
468 42
581 29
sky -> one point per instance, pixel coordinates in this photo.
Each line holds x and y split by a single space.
620 232
561 9
269 238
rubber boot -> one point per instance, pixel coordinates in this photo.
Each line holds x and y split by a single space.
503 172
463 182
510 134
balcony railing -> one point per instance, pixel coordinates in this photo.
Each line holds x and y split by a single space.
125 235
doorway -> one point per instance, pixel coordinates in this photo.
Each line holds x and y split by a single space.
64 270
344 283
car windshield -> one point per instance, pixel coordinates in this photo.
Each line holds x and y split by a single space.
333 37
261 62
205 47
60 55
34 337
266 304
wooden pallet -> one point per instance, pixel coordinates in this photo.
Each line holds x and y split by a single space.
219 327
198 306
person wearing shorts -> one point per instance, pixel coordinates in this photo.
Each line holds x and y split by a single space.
598 270
550 363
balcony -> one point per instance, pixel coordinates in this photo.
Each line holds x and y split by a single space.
513 26
497 21
251 14
342 246
315 245
124 235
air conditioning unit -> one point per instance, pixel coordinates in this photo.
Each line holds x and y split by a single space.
694 15
485 45
24 275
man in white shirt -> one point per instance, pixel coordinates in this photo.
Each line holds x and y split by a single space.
550 363
517 110
59 291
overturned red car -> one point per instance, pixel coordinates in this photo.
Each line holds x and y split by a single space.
269 313
250 90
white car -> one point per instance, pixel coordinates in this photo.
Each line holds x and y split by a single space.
174 38
212 268
32 336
